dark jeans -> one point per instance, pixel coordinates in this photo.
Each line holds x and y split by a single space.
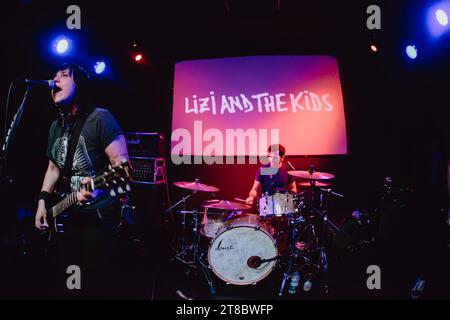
91 242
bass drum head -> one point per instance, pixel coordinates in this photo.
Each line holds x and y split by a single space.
230 251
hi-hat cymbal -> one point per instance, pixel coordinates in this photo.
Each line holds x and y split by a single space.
314 183
228 205
196 186
315 175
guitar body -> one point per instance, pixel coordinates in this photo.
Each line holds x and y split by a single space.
115 179
56 224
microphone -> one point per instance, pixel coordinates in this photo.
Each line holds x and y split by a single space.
290 165
254 262
43 83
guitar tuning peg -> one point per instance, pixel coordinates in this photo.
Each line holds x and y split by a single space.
127 187
109 167
112 193
120 190
114 182
122 179
107 184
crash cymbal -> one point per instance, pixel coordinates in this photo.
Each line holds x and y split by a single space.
314 175
196 186
228 205
314 183
212 201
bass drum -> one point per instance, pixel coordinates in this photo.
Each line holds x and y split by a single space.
239 242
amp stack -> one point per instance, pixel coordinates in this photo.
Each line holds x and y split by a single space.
148 191
146 152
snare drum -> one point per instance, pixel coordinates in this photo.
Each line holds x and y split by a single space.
214 219
238 242
276 205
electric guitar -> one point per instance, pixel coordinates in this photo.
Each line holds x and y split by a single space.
115 179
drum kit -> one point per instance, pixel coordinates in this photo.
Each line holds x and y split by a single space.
288 231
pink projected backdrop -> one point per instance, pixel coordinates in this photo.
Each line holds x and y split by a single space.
298 95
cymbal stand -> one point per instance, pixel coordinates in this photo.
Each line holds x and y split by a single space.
322 263
295 222
194 250
183 223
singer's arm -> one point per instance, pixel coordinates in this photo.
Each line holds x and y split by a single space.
50 179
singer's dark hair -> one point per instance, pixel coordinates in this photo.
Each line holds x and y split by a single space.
81 77
281 149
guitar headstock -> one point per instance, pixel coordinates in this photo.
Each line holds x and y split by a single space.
115 178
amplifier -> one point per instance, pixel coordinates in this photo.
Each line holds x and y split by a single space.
148 170
145 144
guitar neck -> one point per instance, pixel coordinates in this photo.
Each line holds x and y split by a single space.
64 204
116 176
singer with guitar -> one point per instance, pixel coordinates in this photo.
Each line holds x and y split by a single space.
81 143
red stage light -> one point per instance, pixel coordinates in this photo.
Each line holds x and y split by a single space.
138 57
374 48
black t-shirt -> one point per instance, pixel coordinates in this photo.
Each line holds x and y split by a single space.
99 130
277 182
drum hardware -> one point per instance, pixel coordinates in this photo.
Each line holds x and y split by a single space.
245 248
229 252
288 272
311 174
228 205
314 184
183 222
276 205
195 186
193 250
306 206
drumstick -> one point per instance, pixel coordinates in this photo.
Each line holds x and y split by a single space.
240 200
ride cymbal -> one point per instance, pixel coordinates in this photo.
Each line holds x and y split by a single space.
195 186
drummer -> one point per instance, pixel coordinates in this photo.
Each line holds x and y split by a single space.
280 181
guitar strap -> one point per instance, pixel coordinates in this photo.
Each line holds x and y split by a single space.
66 171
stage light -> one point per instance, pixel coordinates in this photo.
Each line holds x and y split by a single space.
437 19
441 17
373 48
138 57
99 67
62 45
411 51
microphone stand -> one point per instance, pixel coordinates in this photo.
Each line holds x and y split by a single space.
6 181
9 135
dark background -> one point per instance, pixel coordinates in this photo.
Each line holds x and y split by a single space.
396 108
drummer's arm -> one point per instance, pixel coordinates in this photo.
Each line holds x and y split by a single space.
253 192
293 187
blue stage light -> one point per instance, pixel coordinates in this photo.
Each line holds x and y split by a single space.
99 67
437 19
62 45
441 17
411 51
